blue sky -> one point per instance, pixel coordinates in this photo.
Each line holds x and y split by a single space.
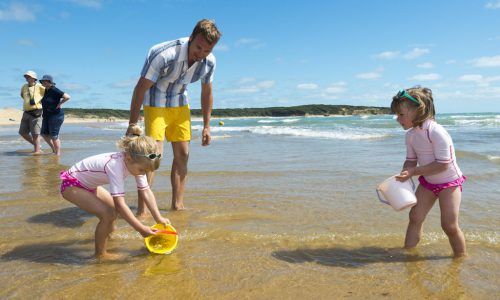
272 53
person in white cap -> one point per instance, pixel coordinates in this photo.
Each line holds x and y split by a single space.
31 122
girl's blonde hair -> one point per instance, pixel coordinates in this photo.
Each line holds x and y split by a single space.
137 145
424 104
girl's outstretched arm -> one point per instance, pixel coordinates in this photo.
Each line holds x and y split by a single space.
427 170
149 198
128 216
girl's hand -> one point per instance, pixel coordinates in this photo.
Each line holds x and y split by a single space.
163 221
147 231
405 174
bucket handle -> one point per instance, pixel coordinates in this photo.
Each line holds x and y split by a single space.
413 185
380 198
165 232
385 201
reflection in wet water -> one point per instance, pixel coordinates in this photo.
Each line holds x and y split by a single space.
297 224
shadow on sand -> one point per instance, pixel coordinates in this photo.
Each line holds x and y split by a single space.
71 217
67 253
350 258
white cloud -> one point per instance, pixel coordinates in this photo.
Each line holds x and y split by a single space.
87 3
486 61
26 43
336 88
493 5
75 87
415 53
479 79
369 75
307 86
266 84
221 47
245 80
249 42
124 84
249 85
388 54
426 77
17 12
470 77
426 65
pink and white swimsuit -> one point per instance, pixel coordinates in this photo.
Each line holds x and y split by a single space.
97 170
432 143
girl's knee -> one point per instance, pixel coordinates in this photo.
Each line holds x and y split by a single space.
450 228
416 218
108 216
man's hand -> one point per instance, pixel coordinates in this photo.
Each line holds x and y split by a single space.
205 136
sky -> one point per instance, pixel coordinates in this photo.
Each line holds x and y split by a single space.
272 53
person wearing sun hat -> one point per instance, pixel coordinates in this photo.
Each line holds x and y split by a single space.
31 121
53 114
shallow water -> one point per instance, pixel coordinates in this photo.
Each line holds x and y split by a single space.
278 212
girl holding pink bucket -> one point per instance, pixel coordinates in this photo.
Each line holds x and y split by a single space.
431 155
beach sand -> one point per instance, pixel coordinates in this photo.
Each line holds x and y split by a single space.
270 216
13 116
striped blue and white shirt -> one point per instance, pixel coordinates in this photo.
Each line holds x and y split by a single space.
167 66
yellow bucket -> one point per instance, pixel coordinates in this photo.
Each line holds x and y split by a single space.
164 242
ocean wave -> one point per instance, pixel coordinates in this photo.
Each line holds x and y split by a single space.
300 132
279 121
478 156
476 116
305 132
477 122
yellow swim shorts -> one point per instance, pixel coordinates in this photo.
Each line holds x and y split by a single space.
174 123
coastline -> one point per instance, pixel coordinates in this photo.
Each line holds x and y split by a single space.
12 116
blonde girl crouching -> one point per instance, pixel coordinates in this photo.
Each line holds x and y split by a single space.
82 186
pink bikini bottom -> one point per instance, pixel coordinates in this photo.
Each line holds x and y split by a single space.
437 188
68 180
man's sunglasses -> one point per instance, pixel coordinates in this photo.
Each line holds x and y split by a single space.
404 94
150 156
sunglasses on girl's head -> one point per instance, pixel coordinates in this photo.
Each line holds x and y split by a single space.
404 94
150 156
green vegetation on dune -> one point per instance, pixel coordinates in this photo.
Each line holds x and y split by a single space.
302 110
97 113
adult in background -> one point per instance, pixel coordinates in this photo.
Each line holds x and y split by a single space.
162 89
32 93
53 114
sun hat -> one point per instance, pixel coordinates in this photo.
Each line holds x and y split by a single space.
48 78
31 74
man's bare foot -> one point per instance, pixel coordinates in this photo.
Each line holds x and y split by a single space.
39 152
109 257
178 207
460 256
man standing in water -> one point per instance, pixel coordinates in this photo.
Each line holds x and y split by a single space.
162 89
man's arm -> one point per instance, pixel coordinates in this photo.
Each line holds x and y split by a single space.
137 98
206 109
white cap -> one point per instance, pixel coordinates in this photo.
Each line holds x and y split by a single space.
31 74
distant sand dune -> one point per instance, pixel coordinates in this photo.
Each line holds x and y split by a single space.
12 116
